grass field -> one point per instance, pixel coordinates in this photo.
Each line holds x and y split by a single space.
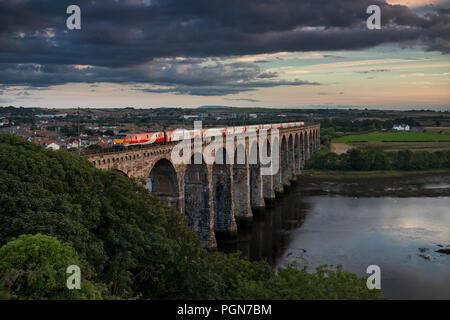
430 146
445 130
395 137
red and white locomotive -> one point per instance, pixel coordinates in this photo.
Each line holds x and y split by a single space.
140 139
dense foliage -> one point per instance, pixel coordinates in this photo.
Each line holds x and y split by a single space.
369 160
34 267
124 239
292 283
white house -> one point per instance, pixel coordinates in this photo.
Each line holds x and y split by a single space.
73 145
190 116
3 121
401 127
53 146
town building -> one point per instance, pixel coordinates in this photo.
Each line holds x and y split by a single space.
401 127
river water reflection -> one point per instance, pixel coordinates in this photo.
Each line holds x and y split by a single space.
398 234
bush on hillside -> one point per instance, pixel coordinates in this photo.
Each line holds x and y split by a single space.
34 267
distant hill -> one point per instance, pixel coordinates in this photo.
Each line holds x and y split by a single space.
215 107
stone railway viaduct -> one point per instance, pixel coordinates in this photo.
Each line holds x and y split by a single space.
213 197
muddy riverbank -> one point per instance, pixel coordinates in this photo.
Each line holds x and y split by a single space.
414 185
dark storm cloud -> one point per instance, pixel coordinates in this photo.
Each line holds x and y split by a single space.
158 71
120 38
198 77
229 88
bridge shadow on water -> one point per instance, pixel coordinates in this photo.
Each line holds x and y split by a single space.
268 236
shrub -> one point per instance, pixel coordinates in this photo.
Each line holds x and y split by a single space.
34 267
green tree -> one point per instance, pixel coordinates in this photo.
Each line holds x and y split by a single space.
109 133
403 161
34 267
292 283
94 147
381 161
356 159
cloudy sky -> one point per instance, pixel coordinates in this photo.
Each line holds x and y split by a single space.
187 53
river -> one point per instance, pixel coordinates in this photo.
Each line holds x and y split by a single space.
399 234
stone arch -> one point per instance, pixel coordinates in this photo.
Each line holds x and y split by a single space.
241 185
297 160
306 145
240 154
267 179
291 157
276 178
255 178
163 181
222 195
302 150
196 199
317 139
284 162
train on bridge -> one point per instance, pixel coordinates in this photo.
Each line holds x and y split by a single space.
146 138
